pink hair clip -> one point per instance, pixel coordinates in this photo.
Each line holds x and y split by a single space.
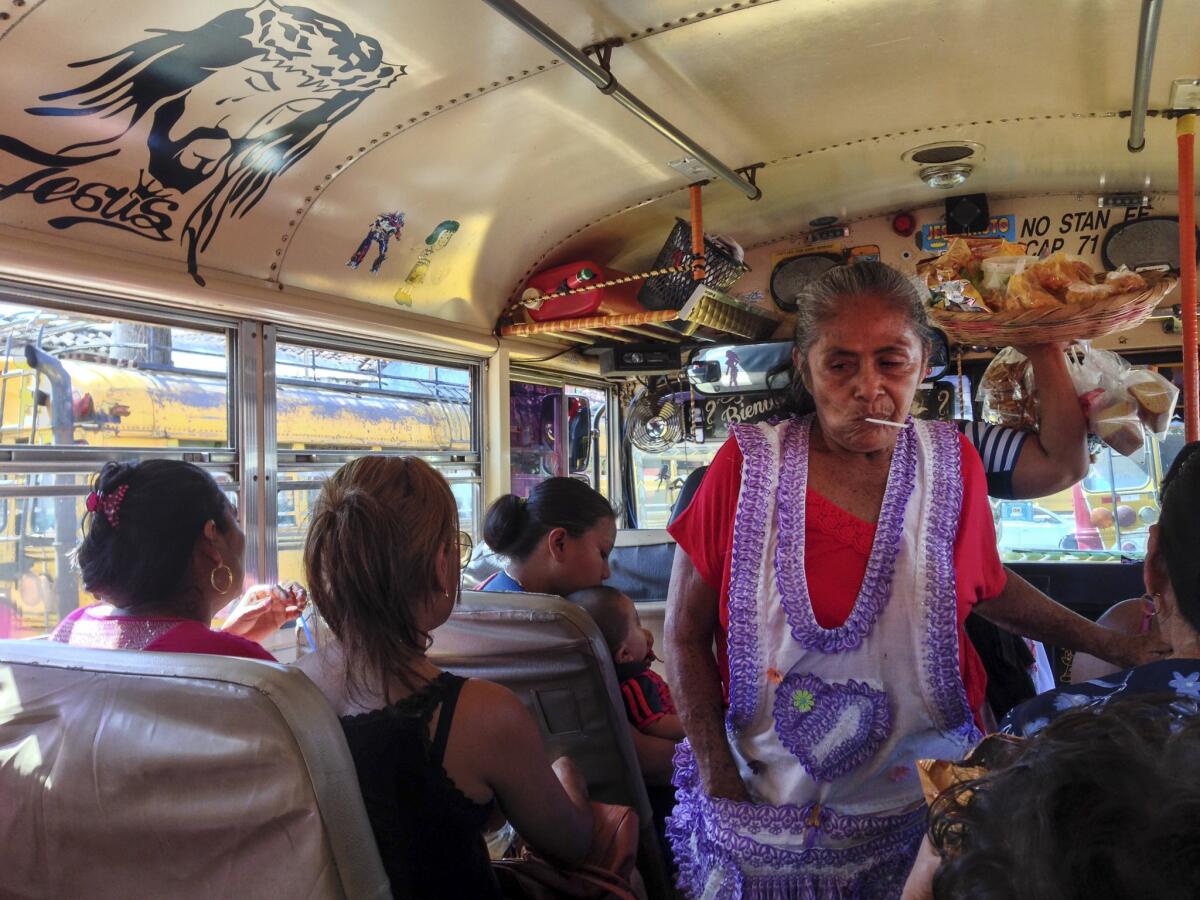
108 504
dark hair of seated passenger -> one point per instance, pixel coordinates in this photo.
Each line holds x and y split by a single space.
1098 804
609 609
146 557
514 525
1179 530
371 557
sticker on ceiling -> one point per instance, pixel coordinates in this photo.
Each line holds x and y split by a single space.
437 239
383 229
200 123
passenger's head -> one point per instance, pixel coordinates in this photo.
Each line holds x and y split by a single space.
160 535
381 558
565 530
861 345
1099 804
1172 567
616 617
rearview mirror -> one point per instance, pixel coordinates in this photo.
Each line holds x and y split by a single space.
578 425
737 369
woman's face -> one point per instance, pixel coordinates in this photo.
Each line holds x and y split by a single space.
583 560
866 363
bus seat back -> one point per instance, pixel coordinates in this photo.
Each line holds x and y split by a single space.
128 773
551 655
641 564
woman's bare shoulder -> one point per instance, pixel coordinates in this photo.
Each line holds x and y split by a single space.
1125 617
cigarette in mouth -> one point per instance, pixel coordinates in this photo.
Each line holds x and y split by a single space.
887 422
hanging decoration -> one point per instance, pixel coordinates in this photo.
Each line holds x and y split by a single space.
382 230
437 239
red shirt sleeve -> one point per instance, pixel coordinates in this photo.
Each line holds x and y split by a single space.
978 572
705 532
193 637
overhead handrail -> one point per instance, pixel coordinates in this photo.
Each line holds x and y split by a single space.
1147 38
607 83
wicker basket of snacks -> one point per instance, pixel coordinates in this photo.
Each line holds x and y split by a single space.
989 292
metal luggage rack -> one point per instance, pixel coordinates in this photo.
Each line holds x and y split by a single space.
708 315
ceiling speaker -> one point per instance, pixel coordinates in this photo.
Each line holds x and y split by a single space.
789 277
967 214
1152 241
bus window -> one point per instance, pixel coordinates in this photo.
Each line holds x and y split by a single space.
80 380
659 477
96 386
333 405
1104 518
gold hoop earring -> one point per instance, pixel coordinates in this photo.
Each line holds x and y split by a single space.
228 577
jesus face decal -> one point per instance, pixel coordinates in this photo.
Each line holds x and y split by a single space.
206 120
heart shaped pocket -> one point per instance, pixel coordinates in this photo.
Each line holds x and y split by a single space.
831 728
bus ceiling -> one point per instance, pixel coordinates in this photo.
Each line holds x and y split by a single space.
405 169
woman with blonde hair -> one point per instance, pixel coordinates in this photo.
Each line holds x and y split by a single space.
382 561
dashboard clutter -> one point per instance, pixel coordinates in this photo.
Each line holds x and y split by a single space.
612 300
724 264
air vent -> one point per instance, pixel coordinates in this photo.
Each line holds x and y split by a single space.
952 153
943 152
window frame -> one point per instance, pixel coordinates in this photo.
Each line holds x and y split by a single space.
281 463
86 460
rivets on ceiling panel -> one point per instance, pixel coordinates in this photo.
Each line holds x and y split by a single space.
508 79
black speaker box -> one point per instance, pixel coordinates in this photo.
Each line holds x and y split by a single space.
967 214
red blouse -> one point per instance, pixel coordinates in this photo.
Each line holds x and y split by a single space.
843 543
89 626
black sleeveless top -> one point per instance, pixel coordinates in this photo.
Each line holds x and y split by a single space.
430 834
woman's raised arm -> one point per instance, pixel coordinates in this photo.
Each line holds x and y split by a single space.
692 621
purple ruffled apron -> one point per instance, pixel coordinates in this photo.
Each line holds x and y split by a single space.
826 724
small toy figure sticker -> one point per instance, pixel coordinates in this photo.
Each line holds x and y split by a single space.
383 229
437 239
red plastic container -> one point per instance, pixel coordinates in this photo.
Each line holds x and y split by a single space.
609 301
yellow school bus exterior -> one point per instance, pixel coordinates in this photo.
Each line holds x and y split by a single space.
122 406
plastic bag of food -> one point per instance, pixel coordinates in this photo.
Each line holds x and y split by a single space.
1154 397
1112 413
1007 391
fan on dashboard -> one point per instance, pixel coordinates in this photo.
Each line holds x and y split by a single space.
654 421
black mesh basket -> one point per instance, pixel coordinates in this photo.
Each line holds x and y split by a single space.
672 291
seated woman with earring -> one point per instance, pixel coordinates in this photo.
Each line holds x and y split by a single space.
162 552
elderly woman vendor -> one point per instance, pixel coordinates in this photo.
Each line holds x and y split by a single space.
832 559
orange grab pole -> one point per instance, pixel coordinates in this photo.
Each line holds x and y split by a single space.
698 265
1185 130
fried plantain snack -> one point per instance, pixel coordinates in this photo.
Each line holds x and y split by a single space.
1025 291
1060 270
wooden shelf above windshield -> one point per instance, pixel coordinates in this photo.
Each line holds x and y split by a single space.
707 316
